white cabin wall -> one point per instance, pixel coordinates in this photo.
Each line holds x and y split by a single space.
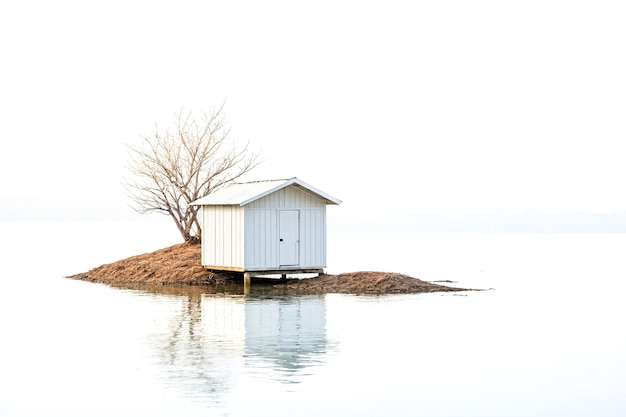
261 239
261 224
222 236
313 237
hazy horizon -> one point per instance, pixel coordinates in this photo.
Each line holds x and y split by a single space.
27 209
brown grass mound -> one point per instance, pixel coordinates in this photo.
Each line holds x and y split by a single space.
180 265
366 282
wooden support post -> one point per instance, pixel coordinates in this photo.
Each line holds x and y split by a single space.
247 280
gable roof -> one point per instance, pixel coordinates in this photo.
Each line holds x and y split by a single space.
242 193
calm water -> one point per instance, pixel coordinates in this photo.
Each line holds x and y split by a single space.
548 340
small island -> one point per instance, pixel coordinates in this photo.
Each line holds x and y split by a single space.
192 174
180 265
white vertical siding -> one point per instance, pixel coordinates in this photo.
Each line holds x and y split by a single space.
313 237
222 236
261 225
261 239
291 197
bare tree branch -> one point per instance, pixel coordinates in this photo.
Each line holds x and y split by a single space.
171 169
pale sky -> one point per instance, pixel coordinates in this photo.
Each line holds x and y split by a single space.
388 105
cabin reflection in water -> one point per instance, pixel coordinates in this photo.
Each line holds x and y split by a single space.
286 334
215 338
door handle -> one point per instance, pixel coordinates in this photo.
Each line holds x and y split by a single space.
281 239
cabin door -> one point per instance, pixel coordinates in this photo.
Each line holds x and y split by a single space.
289 237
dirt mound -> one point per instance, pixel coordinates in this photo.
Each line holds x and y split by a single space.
180 265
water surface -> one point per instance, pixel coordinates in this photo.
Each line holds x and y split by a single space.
547 341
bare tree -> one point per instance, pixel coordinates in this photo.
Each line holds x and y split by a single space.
171 169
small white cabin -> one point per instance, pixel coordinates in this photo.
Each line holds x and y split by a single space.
268 227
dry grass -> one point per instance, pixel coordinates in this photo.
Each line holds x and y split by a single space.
180 265
366 282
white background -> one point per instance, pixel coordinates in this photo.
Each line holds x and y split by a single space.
390 106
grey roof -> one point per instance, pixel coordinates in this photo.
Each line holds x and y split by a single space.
242 193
